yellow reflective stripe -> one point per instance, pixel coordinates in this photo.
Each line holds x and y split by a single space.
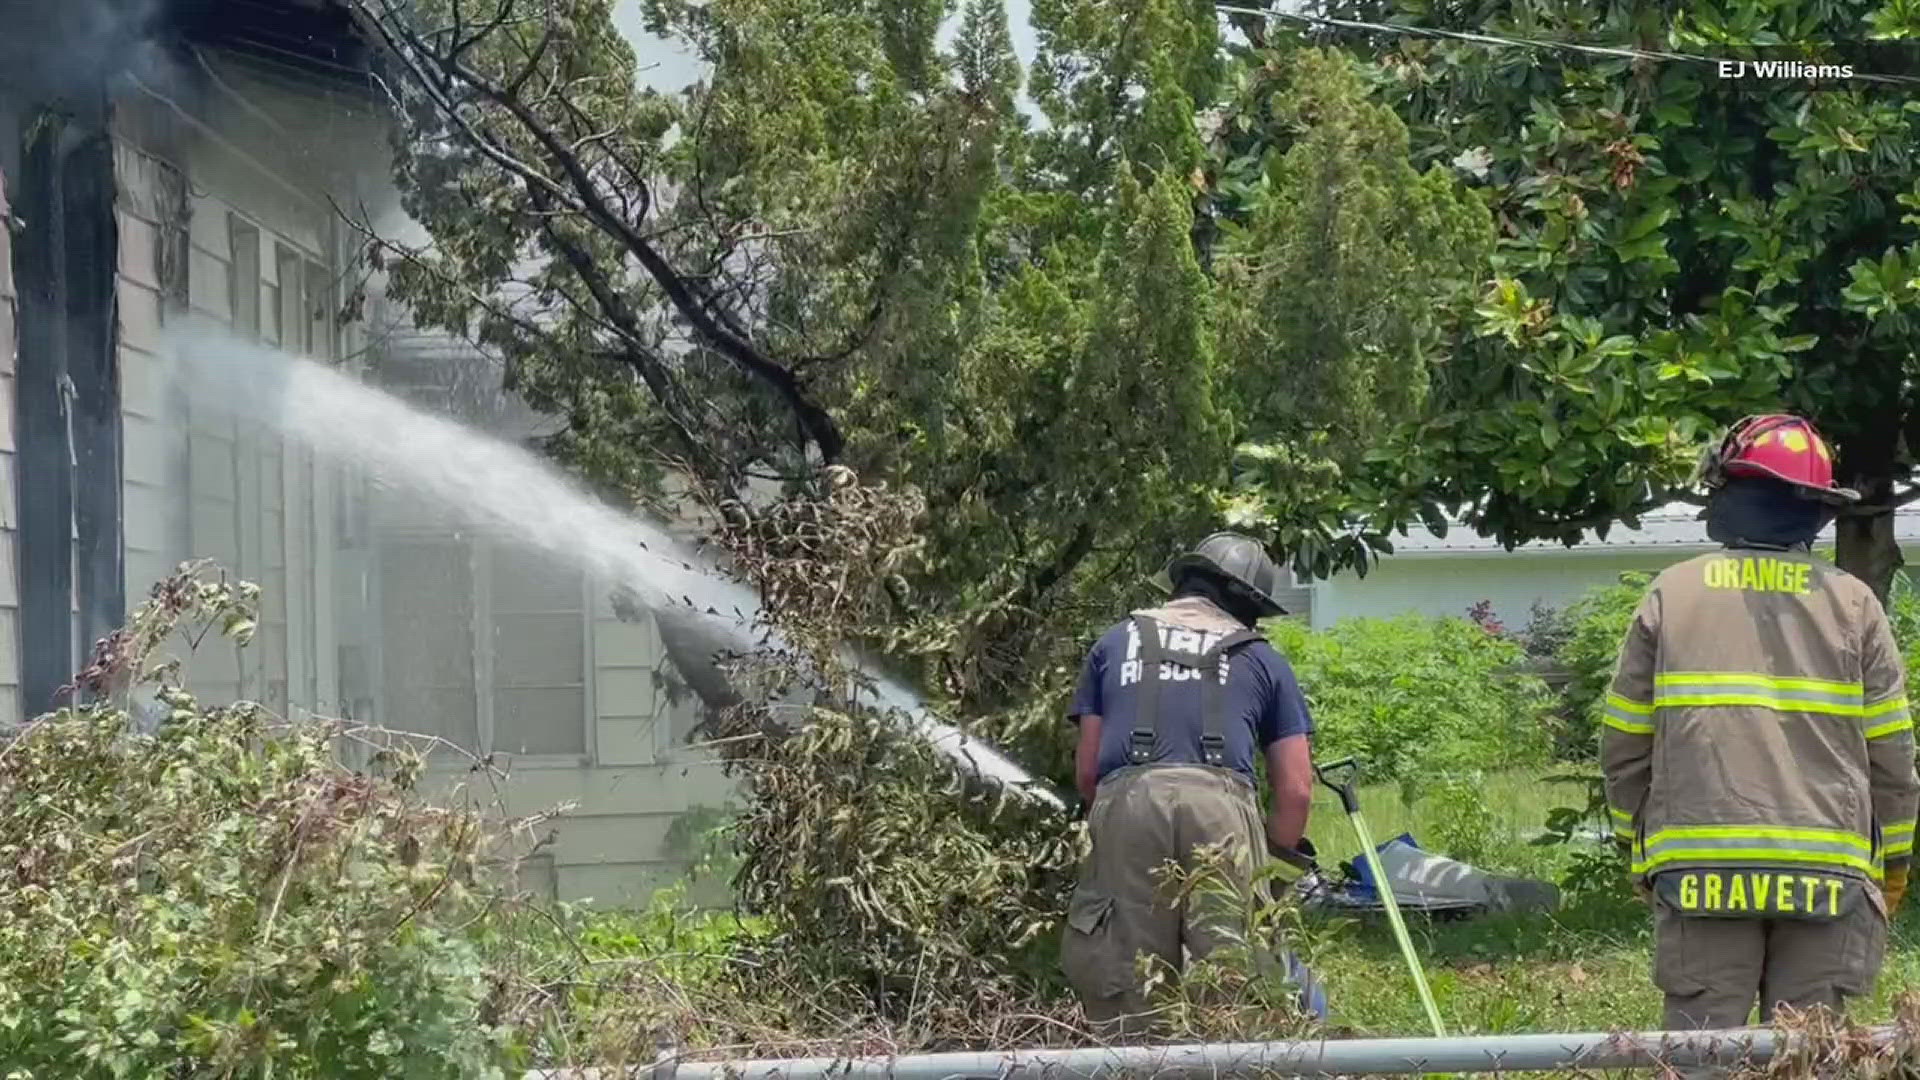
1679 689
1891 727
1894 715
1622 822
1741 678
1760 701
1756 855
1760 832
1897 839
1628 705
1625 714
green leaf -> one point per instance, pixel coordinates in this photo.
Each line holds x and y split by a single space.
1651 247
1674 115
1646 224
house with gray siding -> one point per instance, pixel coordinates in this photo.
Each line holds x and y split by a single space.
1442 575
189 162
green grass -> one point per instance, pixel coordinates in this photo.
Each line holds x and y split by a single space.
1583 968
1514 807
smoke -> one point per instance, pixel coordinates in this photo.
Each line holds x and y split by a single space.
65 53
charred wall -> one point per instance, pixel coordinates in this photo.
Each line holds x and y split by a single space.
57 156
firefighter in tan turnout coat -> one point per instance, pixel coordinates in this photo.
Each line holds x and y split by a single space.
1758 752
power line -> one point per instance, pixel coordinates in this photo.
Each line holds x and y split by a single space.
1614 52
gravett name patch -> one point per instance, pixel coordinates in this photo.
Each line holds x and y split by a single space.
1759 894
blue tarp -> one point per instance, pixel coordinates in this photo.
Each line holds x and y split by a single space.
1363 886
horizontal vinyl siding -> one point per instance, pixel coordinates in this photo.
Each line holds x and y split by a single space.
199 485
625 885
613 846
1449 585
154 447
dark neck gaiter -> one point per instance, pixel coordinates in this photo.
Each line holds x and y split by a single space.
1764 513
1227 600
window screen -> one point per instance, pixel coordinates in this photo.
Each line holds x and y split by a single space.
539 654
318 286
243 240
426 608
295 329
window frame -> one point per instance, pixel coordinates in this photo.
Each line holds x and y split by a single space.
238 226
481 615
316 299
290 293
485 618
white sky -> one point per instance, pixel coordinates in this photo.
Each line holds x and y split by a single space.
665 67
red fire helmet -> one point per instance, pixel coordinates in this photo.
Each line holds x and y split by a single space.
1777 447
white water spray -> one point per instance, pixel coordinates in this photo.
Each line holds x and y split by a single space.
511 491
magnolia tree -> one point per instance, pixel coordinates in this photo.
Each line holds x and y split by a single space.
1677 248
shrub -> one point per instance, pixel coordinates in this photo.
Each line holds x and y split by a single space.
1598 623
898 894
1596 871
222 897
1418 697
1903 610
1546 633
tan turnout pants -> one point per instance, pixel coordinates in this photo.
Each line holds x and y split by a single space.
1143 818
1714 971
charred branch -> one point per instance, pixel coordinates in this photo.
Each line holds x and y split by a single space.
568 182
651 371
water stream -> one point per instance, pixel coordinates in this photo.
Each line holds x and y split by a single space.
507 490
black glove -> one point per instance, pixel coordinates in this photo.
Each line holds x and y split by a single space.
1301 858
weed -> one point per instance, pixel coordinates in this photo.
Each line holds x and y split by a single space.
1465 827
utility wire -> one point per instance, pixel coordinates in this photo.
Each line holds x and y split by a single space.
1615 52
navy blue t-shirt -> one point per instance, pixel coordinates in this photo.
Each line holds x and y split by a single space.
1261 696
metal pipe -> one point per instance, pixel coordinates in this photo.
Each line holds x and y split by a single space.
1324 1058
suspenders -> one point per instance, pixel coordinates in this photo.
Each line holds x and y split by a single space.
1212 667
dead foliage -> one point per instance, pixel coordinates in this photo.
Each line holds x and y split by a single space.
832 565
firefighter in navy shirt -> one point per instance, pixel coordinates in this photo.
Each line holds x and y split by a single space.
1175 704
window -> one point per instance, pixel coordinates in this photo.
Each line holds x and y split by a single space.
523 691
318 290
243 269
292 327
539 655
426 622
173 254
352 508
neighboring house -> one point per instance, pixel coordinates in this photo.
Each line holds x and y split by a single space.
206 187
1435 576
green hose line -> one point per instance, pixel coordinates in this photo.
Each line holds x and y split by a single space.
1399 925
